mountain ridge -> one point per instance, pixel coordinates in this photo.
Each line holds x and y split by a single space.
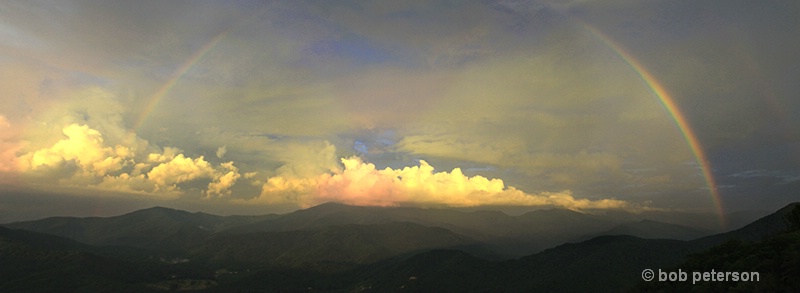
355 257
509 236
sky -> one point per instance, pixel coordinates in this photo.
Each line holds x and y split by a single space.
254 107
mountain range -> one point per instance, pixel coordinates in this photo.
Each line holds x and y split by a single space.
503 235
335 247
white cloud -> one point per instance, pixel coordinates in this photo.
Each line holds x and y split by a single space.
180 169
83 146
223 181
84 159
360 183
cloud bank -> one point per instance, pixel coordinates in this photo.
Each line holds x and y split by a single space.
361 183
83 158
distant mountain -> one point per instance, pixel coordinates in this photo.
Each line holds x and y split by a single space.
32 240
508 236
769 225
153 228
648 229
343 248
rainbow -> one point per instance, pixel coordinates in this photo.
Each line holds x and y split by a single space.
680 119
173 79
657 88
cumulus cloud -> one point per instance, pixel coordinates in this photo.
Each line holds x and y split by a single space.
168 154
180 169
83 158
361 183
223 181
83 146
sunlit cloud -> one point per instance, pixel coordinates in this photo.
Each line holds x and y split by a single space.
223 181
361 183
83 159
180 169
83 146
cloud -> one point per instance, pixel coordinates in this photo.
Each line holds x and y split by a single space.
518 87
361 183
306 159
565 168
84 159
223 181
180 169
168 154
129 183
83 146
93 106
9 145
221 151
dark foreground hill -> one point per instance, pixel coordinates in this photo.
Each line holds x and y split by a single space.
769 264
608 264
331 249
602 264
34 262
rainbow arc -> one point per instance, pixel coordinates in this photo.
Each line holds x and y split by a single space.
162 91
680 119
657 88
